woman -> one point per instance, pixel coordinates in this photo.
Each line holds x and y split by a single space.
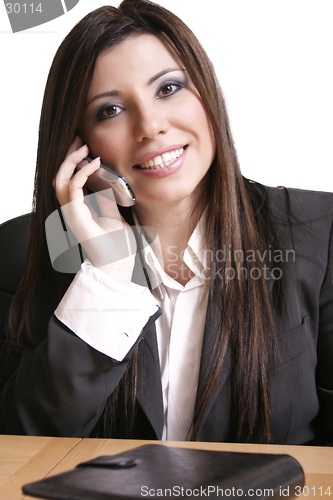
233 341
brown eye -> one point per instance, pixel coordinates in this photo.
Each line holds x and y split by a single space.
168 89
111 110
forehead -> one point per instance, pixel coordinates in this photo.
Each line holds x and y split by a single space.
136 58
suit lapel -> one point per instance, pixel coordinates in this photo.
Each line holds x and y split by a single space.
206 366
149 388
212 331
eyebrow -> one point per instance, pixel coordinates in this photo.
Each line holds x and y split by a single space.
104 94
162 73
112 93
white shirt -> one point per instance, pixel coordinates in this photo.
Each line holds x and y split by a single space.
110 316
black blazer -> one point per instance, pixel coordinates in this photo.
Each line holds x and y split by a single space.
61 386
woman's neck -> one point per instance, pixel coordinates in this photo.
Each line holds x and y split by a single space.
174 224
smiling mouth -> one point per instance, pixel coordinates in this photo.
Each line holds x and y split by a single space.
161 161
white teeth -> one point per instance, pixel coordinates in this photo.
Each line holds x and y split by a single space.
157 160
166 157
162 160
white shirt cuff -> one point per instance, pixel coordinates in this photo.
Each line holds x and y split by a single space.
107 315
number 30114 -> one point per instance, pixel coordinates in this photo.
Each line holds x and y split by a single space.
312 492
25 8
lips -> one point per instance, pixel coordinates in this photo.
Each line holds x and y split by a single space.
159 172
160 159
163 160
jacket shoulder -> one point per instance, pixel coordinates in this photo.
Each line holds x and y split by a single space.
14 238
300 204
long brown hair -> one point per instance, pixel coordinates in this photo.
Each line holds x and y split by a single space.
242 311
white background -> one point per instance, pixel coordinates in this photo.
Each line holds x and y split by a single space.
274 62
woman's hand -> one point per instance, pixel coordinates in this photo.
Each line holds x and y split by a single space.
107 239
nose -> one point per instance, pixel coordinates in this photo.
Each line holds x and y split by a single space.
150 121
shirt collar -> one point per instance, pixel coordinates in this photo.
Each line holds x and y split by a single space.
195 252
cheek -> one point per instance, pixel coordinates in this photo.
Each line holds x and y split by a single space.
204 125
109 146
207 134
196 119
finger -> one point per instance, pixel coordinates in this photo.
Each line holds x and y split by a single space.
82 163
77 182
68 166
66 171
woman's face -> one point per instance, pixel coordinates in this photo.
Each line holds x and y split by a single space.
146 121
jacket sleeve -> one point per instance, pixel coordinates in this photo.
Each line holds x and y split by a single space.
61 386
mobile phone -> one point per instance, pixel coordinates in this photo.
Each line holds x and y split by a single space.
104 178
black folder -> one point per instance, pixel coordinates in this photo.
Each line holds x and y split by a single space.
167 472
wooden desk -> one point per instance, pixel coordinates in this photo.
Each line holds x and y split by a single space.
26 459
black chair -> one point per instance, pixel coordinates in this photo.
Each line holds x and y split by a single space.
14 236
